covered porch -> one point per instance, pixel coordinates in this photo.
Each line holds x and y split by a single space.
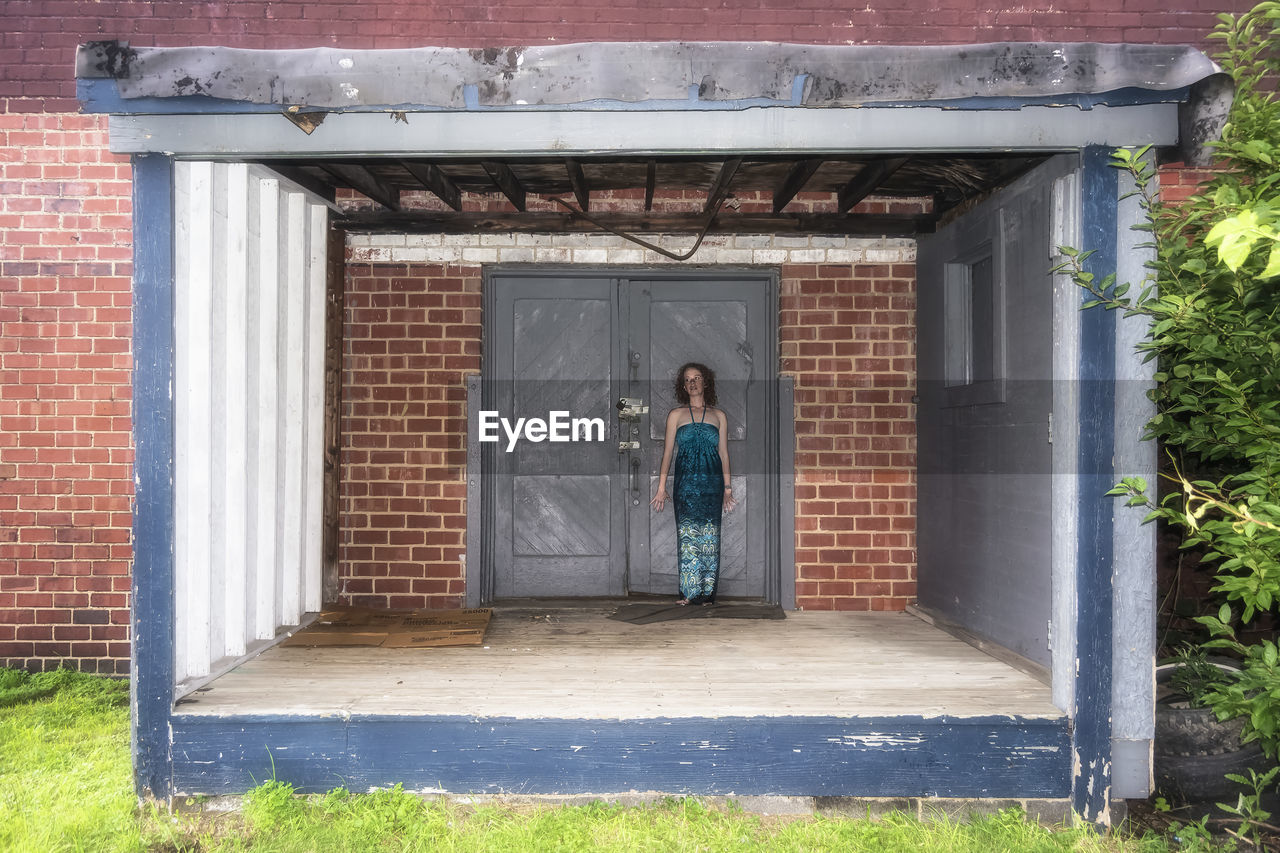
824 703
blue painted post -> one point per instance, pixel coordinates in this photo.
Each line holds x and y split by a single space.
152 615
1091 747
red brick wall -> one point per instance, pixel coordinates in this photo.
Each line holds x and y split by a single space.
413 332
39 37
411 335
66 478
848 338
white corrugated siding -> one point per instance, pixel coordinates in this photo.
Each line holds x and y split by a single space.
249 374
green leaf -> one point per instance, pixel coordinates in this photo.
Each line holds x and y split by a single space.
1273 262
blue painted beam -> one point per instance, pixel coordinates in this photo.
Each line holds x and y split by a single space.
152 616
1091 785
801 756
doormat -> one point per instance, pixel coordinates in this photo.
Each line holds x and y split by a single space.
394 629
643 614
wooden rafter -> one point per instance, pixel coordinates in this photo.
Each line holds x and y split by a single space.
795 180
578 178
720 186
434 179
363 181
303 178
865 182
425 222
506 180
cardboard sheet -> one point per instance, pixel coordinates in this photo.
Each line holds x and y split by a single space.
394 629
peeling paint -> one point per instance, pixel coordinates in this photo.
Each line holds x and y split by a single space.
877 739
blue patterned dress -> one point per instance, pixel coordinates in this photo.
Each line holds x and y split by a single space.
699 500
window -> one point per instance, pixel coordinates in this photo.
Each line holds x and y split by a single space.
973 306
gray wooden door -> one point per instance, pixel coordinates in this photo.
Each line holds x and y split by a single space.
985 363
573 519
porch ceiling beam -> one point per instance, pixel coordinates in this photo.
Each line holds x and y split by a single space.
432 222
363 181
324 189
578 178
865 182
711 133
506 180
434 179
720 186
795 180
650 183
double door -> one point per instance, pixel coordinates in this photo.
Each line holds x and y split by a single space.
570 517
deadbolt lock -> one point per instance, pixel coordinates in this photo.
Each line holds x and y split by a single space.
625 446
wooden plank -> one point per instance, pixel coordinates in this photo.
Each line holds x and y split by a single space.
193 467
797 756
292 495
720 186
578 179
434 179
365 182
235 287
507 182
267 411
317 272
432 222
795 180
865 182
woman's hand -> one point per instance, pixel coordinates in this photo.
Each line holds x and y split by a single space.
729 502
659 500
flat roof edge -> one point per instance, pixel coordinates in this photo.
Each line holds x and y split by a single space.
697 75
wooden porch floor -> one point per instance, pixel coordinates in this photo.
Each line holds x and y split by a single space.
573 662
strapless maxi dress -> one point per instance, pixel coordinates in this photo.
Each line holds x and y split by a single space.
699 501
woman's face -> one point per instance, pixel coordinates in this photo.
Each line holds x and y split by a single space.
693 381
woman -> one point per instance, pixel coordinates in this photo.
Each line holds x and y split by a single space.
697 431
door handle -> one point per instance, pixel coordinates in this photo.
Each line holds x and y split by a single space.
635 479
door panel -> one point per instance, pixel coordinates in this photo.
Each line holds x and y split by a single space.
573 519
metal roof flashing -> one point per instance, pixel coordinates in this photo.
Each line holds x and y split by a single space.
640 72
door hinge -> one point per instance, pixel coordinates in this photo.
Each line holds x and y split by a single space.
1051 427
1048 635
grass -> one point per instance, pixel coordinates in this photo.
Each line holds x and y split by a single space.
65 786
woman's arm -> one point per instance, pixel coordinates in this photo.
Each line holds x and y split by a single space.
668 441
723 447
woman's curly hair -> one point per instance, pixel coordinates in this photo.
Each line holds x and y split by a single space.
708 384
